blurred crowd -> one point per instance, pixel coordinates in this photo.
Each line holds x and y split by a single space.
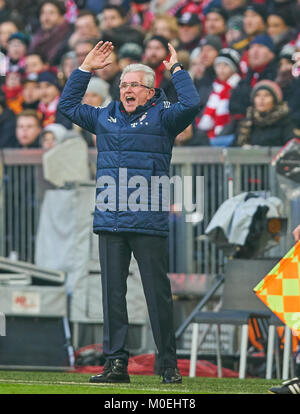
240 54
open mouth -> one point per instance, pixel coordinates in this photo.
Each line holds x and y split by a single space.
130 99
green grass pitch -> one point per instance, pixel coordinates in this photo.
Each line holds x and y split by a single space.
34 382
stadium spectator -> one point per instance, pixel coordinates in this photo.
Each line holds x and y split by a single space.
13 91
196 68
82 48
190 31
28 129
35 63
216 116
280 27
7 28
52 37
31 92
141 14
130 53
262 65
111 74
156 51
116 28
215 23
255 22
86 27
267 122
97 93
68 63
235 30
52 135
16 51
210 47
50 89
166 26
189 6
7 125
289 84
234 7
112 16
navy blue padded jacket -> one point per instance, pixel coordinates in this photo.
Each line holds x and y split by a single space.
130 145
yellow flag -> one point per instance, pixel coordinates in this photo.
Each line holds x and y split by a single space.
280 289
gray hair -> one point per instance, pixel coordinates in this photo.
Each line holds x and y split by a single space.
139 67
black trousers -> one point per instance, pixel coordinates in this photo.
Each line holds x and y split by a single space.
151 253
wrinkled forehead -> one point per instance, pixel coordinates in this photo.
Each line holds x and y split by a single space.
134 77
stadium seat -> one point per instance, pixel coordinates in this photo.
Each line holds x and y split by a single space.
239 307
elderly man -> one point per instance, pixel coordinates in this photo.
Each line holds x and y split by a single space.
134 137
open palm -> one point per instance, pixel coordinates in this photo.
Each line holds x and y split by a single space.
98 57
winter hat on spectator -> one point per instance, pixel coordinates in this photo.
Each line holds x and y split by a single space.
49 77
131 50
24 38
219 10
286 15
235 22
229 56
287 52
271 87
30 77
161 39
259 9
213 41
263 39
101 88
189 19
58 130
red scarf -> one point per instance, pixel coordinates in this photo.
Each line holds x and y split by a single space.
48 112
256 72
11 93
159 74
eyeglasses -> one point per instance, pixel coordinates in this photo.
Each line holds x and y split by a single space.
133 85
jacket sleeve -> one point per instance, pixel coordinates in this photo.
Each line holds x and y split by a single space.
288 130
70 101
240 99
181 114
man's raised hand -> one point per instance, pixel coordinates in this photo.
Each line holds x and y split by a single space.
98 57
173 57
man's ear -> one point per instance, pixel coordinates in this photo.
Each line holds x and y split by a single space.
152 93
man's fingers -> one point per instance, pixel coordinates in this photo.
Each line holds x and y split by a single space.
171 48
108 50
106 46
98 45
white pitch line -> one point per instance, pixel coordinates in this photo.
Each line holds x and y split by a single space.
88 384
